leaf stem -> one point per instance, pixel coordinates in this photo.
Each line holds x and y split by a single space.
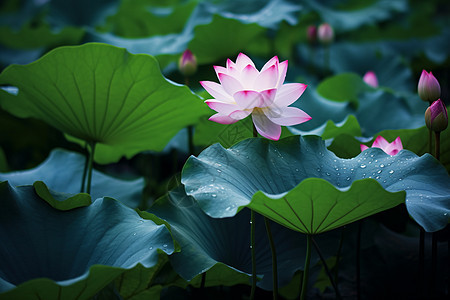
338 256
274 260
421 261
90 165
306 268
252 248
327 270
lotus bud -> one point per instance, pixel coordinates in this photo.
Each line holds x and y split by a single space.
436 116
325 33
371 79
311 33
187 63
428 87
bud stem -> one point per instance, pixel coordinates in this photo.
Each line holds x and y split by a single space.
437 149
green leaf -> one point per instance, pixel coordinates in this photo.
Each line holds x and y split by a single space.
70 254
223 181
102 94
62 172
224 38
343 87
315 206
331 130
221 246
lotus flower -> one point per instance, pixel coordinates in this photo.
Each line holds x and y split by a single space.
390 148
436 116
243 90
428 87
371 79
311 34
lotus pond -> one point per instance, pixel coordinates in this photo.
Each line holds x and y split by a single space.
262 149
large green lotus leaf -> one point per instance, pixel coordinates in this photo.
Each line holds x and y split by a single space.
315 206
47 253
102 94
62 172
355 16
225 180
210 243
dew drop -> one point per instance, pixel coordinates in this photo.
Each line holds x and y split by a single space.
391 172
381 166
134 233
363 166
219 171
165 246
379 171
150 248
296 170
214 195
348 178
328 174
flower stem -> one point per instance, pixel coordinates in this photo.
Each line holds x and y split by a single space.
437 146
90 165
421 261
274 260
327 270
252 248
86 162
306 268
430 136
358 261
338 256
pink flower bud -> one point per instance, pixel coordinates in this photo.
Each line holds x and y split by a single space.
428 87
371 79
311 33
390 148
325 33
436 116
187 63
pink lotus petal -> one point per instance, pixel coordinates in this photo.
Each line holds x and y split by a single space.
230 63
240 114
380 142
271 62
371 79
363 147
217 91
267 79
230 84
288 93
247 99
220 69
248 76
282 69
221 107
287 116
267 97
242 61
265 127
395 146
222 119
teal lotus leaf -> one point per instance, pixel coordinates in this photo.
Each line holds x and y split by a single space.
264 13
225 180
212 244
62 172
353 17
415 140
101 94
47 253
